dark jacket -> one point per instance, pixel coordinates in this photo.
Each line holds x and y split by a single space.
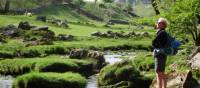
161 40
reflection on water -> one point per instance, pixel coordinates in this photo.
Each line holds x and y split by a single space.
111 59
92 81
6 81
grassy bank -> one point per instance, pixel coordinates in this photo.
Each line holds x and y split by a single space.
50 80
19 66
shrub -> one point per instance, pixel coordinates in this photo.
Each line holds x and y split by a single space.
50 80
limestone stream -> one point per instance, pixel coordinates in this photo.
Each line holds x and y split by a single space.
111 58
6 81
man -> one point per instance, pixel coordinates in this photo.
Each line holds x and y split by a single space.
160 41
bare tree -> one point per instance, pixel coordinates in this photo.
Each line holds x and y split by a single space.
7 6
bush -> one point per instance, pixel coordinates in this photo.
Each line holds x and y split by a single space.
50 80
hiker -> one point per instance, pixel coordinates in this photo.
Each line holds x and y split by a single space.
160 41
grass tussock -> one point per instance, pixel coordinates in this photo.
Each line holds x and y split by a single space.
50 80
21 66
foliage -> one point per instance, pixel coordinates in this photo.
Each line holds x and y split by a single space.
79 3
108 1
183 19
49 80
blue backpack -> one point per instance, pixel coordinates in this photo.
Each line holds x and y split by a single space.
172 49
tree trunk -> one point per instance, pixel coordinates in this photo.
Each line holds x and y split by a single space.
95 2
155 6
7 6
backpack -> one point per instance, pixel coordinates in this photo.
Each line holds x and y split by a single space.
172 49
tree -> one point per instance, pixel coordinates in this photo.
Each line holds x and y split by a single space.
78 3
7 6
95 2
183 19
155 6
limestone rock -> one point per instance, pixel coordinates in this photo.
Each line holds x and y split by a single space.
195 61
65 37
178 80
11 31
44 28
24 25
42 18
82 53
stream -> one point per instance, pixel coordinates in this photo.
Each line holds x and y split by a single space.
111 58
92 81
6 81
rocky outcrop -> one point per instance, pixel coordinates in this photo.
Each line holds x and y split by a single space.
64 37
194 59
118 22
24 25
43 28
122 34
10 31
83 53
60 23
178 80
41 18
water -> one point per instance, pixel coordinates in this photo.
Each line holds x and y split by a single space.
92 81
111 59
6 81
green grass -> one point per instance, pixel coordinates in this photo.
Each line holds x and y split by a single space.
20 66
83 33
114 75
50 80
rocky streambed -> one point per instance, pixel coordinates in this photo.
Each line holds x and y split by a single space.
110 58
92 81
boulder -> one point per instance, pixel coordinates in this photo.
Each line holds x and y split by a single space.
96 33
145 34
64 24
78 53
11 31
82 53
42 18
43 28
194 52
24 25
65 37
43 41
178 80
32 43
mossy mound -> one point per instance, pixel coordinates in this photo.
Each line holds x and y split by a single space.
122 74
20 66
50 80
